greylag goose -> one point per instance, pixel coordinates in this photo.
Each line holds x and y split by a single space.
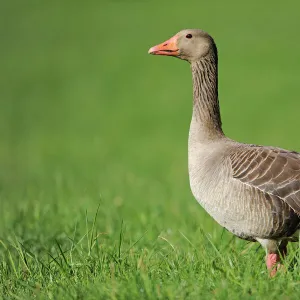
251 190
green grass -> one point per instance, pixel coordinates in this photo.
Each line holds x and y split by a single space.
94 194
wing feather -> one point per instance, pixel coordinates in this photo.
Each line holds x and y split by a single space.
274 171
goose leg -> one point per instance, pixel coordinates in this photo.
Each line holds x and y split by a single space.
275 250
272 262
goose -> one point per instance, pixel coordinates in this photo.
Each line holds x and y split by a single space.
251 190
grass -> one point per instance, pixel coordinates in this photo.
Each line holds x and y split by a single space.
94 193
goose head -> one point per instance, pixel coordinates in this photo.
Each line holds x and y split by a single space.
189 44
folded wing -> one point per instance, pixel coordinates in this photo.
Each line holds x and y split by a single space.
273 171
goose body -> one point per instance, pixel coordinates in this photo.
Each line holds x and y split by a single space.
251 190
246 210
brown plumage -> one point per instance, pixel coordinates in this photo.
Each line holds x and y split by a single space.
276 173
253 191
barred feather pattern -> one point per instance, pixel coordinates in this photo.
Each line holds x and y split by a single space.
274 171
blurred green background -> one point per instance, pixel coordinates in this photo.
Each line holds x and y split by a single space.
88 118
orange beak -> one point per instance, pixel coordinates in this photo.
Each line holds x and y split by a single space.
169 48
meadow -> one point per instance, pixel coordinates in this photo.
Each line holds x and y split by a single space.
94 193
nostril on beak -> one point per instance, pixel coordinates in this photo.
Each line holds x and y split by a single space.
166 44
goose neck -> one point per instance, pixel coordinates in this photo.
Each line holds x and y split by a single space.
206 120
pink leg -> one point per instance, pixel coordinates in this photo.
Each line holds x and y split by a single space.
275 250
272 261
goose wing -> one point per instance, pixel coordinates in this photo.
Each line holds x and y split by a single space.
274 171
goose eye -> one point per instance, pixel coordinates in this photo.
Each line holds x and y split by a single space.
189 36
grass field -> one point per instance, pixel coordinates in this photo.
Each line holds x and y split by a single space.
94 194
